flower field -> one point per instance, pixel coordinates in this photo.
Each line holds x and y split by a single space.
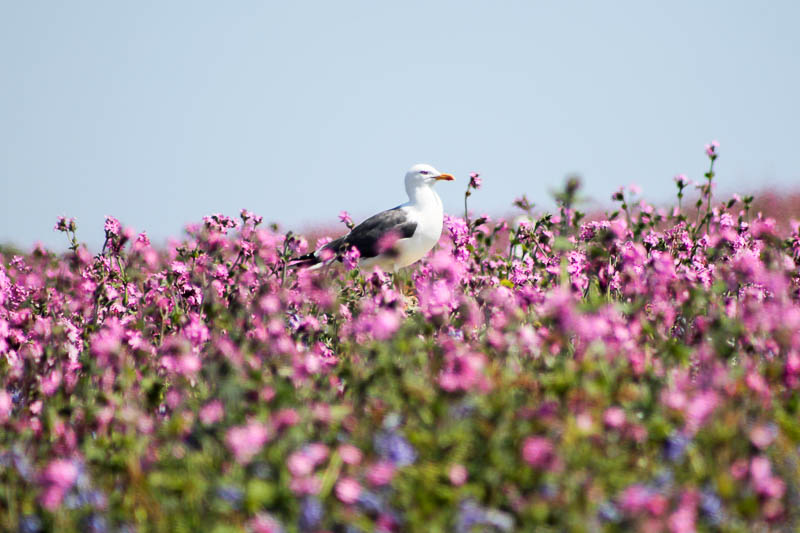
638 371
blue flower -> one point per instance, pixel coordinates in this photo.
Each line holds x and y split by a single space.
371 503
470 514
96 524
675 447
30 524
711 506
311 513
395 448
608 512
232 495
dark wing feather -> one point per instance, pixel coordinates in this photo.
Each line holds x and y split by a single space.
367 235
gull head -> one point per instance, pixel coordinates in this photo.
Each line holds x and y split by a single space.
422 174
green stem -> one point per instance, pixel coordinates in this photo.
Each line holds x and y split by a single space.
710 177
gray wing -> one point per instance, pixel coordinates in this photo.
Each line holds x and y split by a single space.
367 235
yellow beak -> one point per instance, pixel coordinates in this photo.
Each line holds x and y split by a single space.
444 177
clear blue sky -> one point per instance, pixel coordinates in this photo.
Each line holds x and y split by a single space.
162 112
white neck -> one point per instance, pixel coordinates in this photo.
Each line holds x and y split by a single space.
423 195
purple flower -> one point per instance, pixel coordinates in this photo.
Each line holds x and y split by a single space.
344 216
311 513
711 149
474 180
395 448
675 447
65 224
350 258
112 226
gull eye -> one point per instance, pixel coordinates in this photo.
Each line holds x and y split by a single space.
424 172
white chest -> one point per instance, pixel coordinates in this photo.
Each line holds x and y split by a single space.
429 217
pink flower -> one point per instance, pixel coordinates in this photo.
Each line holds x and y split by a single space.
764 482
344 216
457 474
683 519
5 406
762 435
387 241
348 490
188 364
739 469
474 180
380 473
384 324
112 226
247 215
246 441
700 408
300 464
350 454
57 478
537 452
351 257
65 224
51 382
212 412
286 418
614 417
463 372
61 473
635 498
317 452
264 523
305 485
711 149
142 240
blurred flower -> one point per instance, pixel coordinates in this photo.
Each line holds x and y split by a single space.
537 452
348 490
350 454
57 478
212 412
394 447
762 435
457 474
380 473
614 417
311 513
675 447
711 506
264 523
300 464
246 441
5 406
30 524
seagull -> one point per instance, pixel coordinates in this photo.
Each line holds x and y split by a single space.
397 237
